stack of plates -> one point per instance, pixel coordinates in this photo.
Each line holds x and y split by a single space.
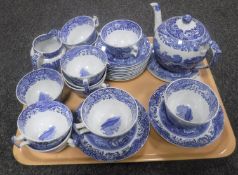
129 68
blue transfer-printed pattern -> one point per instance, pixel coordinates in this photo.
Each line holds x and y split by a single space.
48 134
44 96
41 107
37 75
175 63
83 73
107 143
52 34
199 88
186 137
109 93
111 126
184 112
114 149
161 73
120 52
81 51
71 24
192 39
144 49
120 25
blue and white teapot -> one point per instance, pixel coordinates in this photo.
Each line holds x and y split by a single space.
182 42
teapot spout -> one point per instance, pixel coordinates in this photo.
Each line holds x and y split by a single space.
157 14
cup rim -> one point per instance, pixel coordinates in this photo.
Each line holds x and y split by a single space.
128 20
82 47
28 74
126 130
67 23
49 140
33 44
183 120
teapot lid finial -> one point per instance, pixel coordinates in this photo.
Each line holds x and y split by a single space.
187 18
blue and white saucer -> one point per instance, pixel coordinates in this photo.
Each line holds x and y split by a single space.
185 137
120 69
118 148
161 73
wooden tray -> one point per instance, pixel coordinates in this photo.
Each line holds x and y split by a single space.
155 149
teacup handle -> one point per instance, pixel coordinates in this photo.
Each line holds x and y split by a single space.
216 52
134 50
95 20
19 141
86 86
80 127
71 143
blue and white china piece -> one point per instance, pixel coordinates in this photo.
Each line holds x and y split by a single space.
68 141
40 85
108 112
190 102
121 38
80 30
43 125
182 42
82 91
128 68
114 149
165 75
186 137
84 65
46 50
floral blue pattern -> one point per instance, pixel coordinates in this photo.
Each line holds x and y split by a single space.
77 21
185 137
115 149
196 87
43 106
81 51
35 76
109 93
127 25
163 74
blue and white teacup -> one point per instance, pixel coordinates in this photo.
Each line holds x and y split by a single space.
84 92
80 30
43 125
40 85
46 49
84 65
121 38
108 112
190 103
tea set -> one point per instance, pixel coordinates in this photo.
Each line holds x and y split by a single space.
110 124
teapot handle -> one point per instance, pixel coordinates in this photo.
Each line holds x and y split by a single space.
216 52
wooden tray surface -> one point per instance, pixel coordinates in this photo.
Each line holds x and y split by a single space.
155 149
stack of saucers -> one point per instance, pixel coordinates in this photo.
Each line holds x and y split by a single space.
84 69
128 50
112 125
186 113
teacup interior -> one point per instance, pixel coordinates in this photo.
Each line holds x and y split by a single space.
42 122
84 65
44 89
47 45
109 117
79 34
189 106
121 38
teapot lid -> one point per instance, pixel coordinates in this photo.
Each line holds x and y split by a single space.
185 27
